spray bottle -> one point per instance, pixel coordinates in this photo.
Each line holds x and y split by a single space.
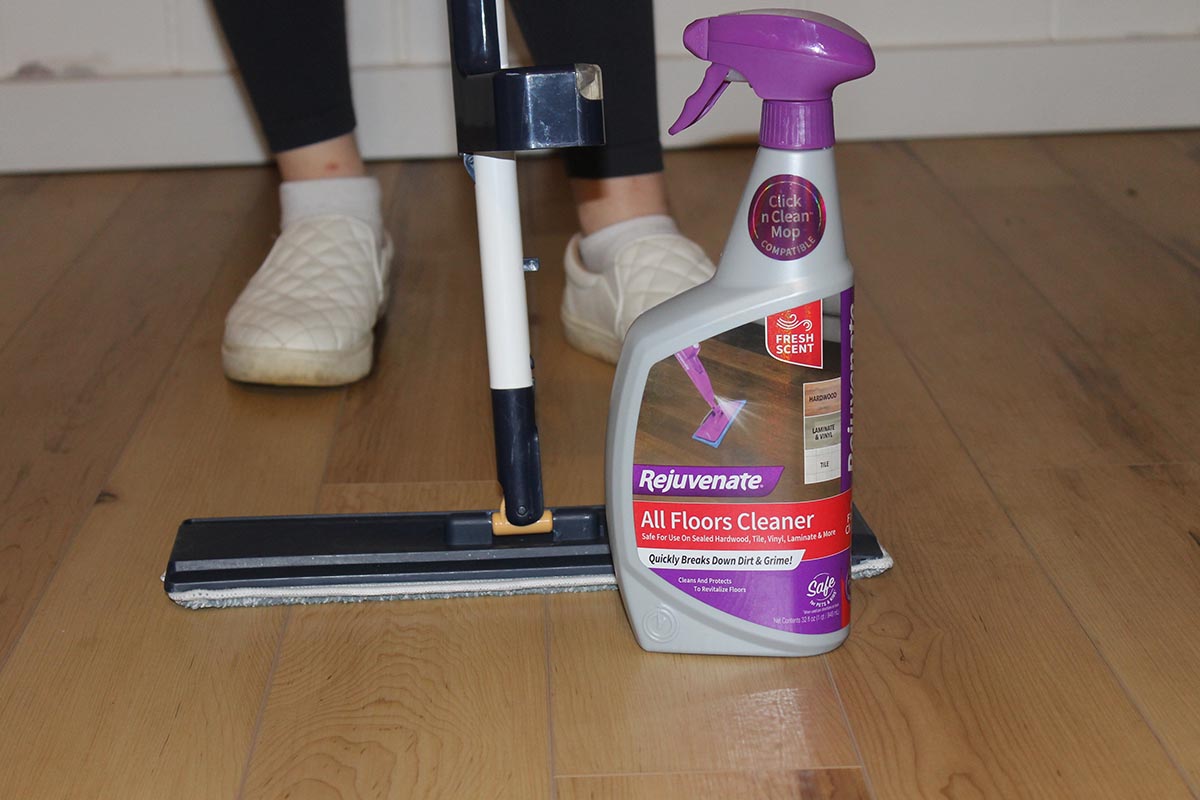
729 432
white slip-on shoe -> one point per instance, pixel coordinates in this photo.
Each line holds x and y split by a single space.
599 307
306 317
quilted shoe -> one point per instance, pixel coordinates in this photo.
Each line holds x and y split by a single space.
598 308
305 318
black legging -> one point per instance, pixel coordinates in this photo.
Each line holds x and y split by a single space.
293 60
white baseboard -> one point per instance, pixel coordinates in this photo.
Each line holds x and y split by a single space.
406 111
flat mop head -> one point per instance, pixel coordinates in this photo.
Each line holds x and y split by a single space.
714 427
252 561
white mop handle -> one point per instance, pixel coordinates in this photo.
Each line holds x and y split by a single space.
502 258
501 255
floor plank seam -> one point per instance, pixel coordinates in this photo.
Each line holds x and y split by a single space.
550 752
862 764
315 506
413 485
68 543
1006 473
101 229
1023 276
1048 575
256 732
751 770
134 426
1183 258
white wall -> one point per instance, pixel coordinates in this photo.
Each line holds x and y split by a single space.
143 82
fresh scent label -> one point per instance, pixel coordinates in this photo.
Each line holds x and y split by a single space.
795 336
787 217
741 480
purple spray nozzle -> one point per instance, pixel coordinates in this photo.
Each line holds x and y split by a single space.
792 59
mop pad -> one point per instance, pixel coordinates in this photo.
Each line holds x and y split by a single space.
257 596
867 556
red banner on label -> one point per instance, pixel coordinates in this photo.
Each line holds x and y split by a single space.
794 336
819 527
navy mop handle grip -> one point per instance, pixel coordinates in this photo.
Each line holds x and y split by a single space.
474 37
518 455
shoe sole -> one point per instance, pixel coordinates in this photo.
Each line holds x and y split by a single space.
590 339
276 367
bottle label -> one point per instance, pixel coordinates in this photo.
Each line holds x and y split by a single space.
787 217
741 480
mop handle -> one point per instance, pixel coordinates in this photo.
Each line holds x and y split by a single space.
689 359
506 322
501 253
500 110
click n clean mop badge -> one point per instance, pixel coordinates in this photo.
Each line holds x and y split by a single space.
750 512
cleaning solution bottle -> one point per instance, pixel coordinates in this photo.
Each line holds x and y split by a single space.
728 455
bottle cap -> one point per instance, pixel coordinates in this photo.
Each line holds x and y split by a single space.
793 60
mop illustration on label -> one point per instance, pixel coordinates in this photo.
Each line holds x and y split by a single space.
720 418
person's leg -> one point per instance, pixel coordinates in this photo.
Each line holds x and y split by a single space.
331 158
306 317
294 64
601 202
618 36
630 254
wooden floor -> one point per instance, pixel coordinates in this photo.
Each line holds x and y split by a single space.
1028 368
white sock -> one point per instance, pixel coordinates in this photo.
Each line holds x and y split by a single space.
599 250
350 197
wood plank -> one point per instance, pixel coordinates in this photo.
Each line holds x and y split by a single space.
15 188
80 373
1017 383
113 691
1079 222
424 698
1145 178
617 709
825 784
1123 545
1079 244
47 224
965 673
1188 141
416 711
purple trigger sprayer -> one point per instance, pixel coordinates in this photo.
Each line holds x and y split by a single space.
792 59
702 566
